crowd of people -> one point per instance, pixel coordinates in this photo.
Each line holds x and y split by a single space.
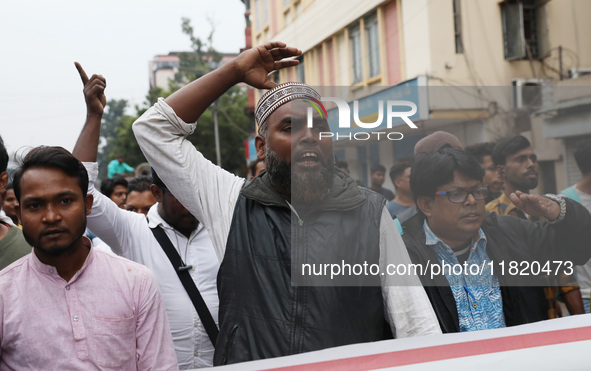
195 266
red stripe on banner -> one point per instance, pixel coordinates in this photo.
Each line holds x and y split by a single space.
448 351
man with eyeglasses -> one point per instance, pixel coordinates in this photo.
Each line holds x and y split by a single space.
453 230
518 165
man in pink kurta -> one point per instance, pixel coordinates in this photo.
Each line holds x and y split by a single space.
67 305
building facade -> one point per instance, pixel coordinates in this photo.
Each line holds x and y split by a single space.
479 69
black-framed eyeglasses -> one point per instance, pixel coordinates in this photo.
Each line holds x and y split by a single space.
459 196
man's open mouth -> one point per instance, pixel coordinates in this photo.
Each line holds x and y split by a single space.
308 159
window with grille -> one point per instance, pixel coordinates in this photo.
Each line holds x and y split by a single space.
356 56
373 44
525 29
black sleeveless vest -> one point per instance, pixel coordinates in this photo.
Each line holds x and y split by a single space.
262 315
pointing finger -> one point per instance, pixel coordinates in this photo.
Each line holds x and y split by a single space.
83 75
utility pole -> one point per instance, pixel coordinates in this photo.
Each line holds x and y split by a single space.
216 133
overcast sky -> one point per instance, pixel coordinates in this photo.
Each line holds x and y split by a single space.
41 99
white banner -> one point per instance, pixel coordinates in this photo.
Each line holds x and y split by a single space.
559 344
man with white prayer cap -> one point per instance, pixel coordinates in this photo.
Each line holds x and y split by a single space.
301 209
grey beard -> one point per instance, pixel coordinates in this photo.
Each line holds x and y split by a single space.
306 187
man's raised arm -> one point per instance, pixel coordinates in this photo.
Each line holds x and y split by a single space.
206 190
86 146
251 67
112 224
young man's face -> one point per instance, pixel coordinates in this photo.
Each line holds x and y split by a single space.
119 195
52 210
10 203
377 178
454 221
492 179
139 202
295 153
521 170
402 183
173 212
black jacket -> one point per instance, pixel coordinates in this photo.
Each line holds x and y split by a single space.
508 239
262 315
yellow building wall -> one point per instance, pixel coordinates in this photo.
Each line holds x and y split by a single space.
483 61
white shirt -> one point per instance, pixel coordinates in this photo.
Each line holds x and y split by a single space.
210 193
128 234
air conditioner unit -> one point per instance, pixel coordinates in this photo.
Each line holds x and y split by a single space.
531 94
575 73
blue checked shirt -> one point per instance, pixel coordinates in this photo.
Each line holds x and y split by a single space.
477 295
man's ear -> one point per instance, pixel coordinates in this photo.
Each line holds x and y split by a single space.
17 209
260 144
425 203
87 203
156 192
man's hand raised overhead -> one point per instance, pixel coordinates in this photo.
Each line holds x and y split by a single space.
94 92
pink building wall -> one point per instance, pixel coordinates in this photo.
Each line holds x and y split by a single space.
392 42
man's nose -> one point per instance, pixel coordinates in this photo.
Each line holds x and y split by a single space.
51 214
470 199
531 162
308 134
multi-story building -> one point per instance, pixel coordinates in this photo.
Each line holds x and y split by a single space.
480 69
163 68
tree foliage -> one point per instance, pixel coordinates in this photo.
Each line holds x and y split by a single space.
111 122
232 121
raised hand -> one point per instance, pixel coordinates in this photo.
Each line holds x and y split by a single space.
255 64
94 92
252 67
536 205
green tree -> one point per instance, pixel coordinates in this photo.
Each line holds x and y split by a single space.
125 143
232 121
109 126
233 129
202 59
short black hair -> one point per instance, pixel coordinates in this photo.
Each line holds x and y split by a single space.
377 167
507 147
140 184
432 170
399 169
55 158
108 185
480 150
3 156
157 181
9 186
583 156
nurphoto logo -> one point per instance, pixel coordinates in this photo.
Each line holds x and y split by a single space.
344 118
